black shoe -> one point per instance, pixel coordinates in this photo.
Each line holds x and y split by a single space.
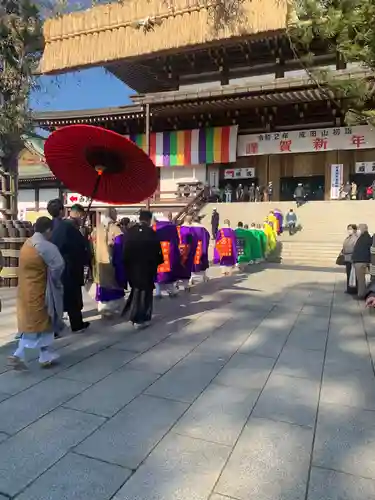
82 328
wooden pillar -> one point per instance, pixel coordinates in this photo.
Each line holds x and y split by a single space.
37 198
274 175
147 132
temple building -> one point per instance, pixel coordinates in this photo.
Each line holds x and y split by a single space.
215 102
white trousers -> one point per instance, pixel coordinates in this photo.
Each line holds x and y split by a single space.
169 288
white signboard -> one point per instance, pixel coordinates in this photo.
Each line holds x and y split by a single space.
336 180
365 167
239 173
307 141
73 198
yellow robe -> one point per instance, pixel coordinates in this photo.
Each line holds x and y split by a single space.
103 238
271 238
274 222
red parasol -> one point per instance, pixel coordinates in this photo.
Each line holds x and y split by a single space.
100 164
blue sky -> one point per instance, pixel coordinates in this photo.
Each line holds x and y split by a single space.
92 88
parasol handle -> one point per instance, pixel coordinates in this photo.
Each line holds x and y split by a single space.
93 194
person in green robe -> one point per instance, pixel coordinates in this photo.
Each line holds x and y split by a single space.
263 239
257 247
244 247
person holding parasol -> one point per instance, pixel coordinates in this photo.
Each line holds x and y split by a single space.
101 165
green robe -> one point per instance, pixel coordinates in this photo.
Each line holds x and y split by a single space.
257 250
244 246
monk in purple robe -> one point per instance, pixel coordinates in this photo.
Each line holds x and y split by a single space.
201 261
280 218
170 270
188 243
225 252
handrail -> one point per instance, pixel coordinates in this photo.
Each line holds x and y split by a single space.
194 206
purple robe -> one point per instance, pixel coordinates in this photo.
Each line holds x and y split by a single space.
188 246
104 294
201 262
225 252
279 216
170 270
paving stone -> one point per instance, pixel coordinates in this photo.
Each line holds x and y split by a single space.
180 468
269 462
76 477
215 349
161 357
24 408
215 496
4 396
305 337
32 451
332 485
3 436
108 396
218 415
345 438
300 363
289 399
130 435
140 342
12 382
319 311
263 344
98 366
186 380
248 372
347 387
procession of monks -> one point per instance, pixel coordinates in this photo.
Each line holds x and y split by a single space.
246 245
184 258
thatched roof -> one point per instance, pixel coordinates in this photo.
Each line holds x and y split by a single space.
107 33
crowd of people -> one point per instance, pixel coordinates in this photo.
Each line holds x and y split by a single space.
127 264
124 262
242 193
356 257
351 191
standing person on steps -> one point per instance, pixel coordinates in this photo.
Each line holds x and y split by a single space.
215 220
74 250
347 251
361 258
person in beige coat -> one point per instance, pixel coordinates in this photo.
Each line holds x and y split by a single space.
109 293
39 296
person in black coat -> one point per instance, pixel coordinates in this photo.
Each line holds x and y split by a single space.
361 258
142 256
74 250
215 218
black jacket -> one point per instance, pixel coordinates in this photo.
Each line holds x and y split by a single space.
215 220
299 192
362 249
74 250
142 256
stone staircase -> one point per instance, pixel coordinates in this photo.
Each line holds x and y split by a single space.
323 226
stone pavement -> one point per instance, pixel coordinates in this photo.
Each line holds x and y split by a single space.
225 397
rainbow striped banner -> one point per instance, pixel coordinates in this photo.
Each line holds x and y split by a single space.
191 147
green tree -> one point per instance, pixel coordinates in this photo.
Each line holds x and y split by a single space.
347 28
20 50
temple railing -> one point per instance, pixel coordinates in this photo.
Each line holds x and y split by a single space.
193 207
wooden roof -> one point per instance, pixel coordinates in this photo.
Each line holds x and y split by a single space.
107 33
276 93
